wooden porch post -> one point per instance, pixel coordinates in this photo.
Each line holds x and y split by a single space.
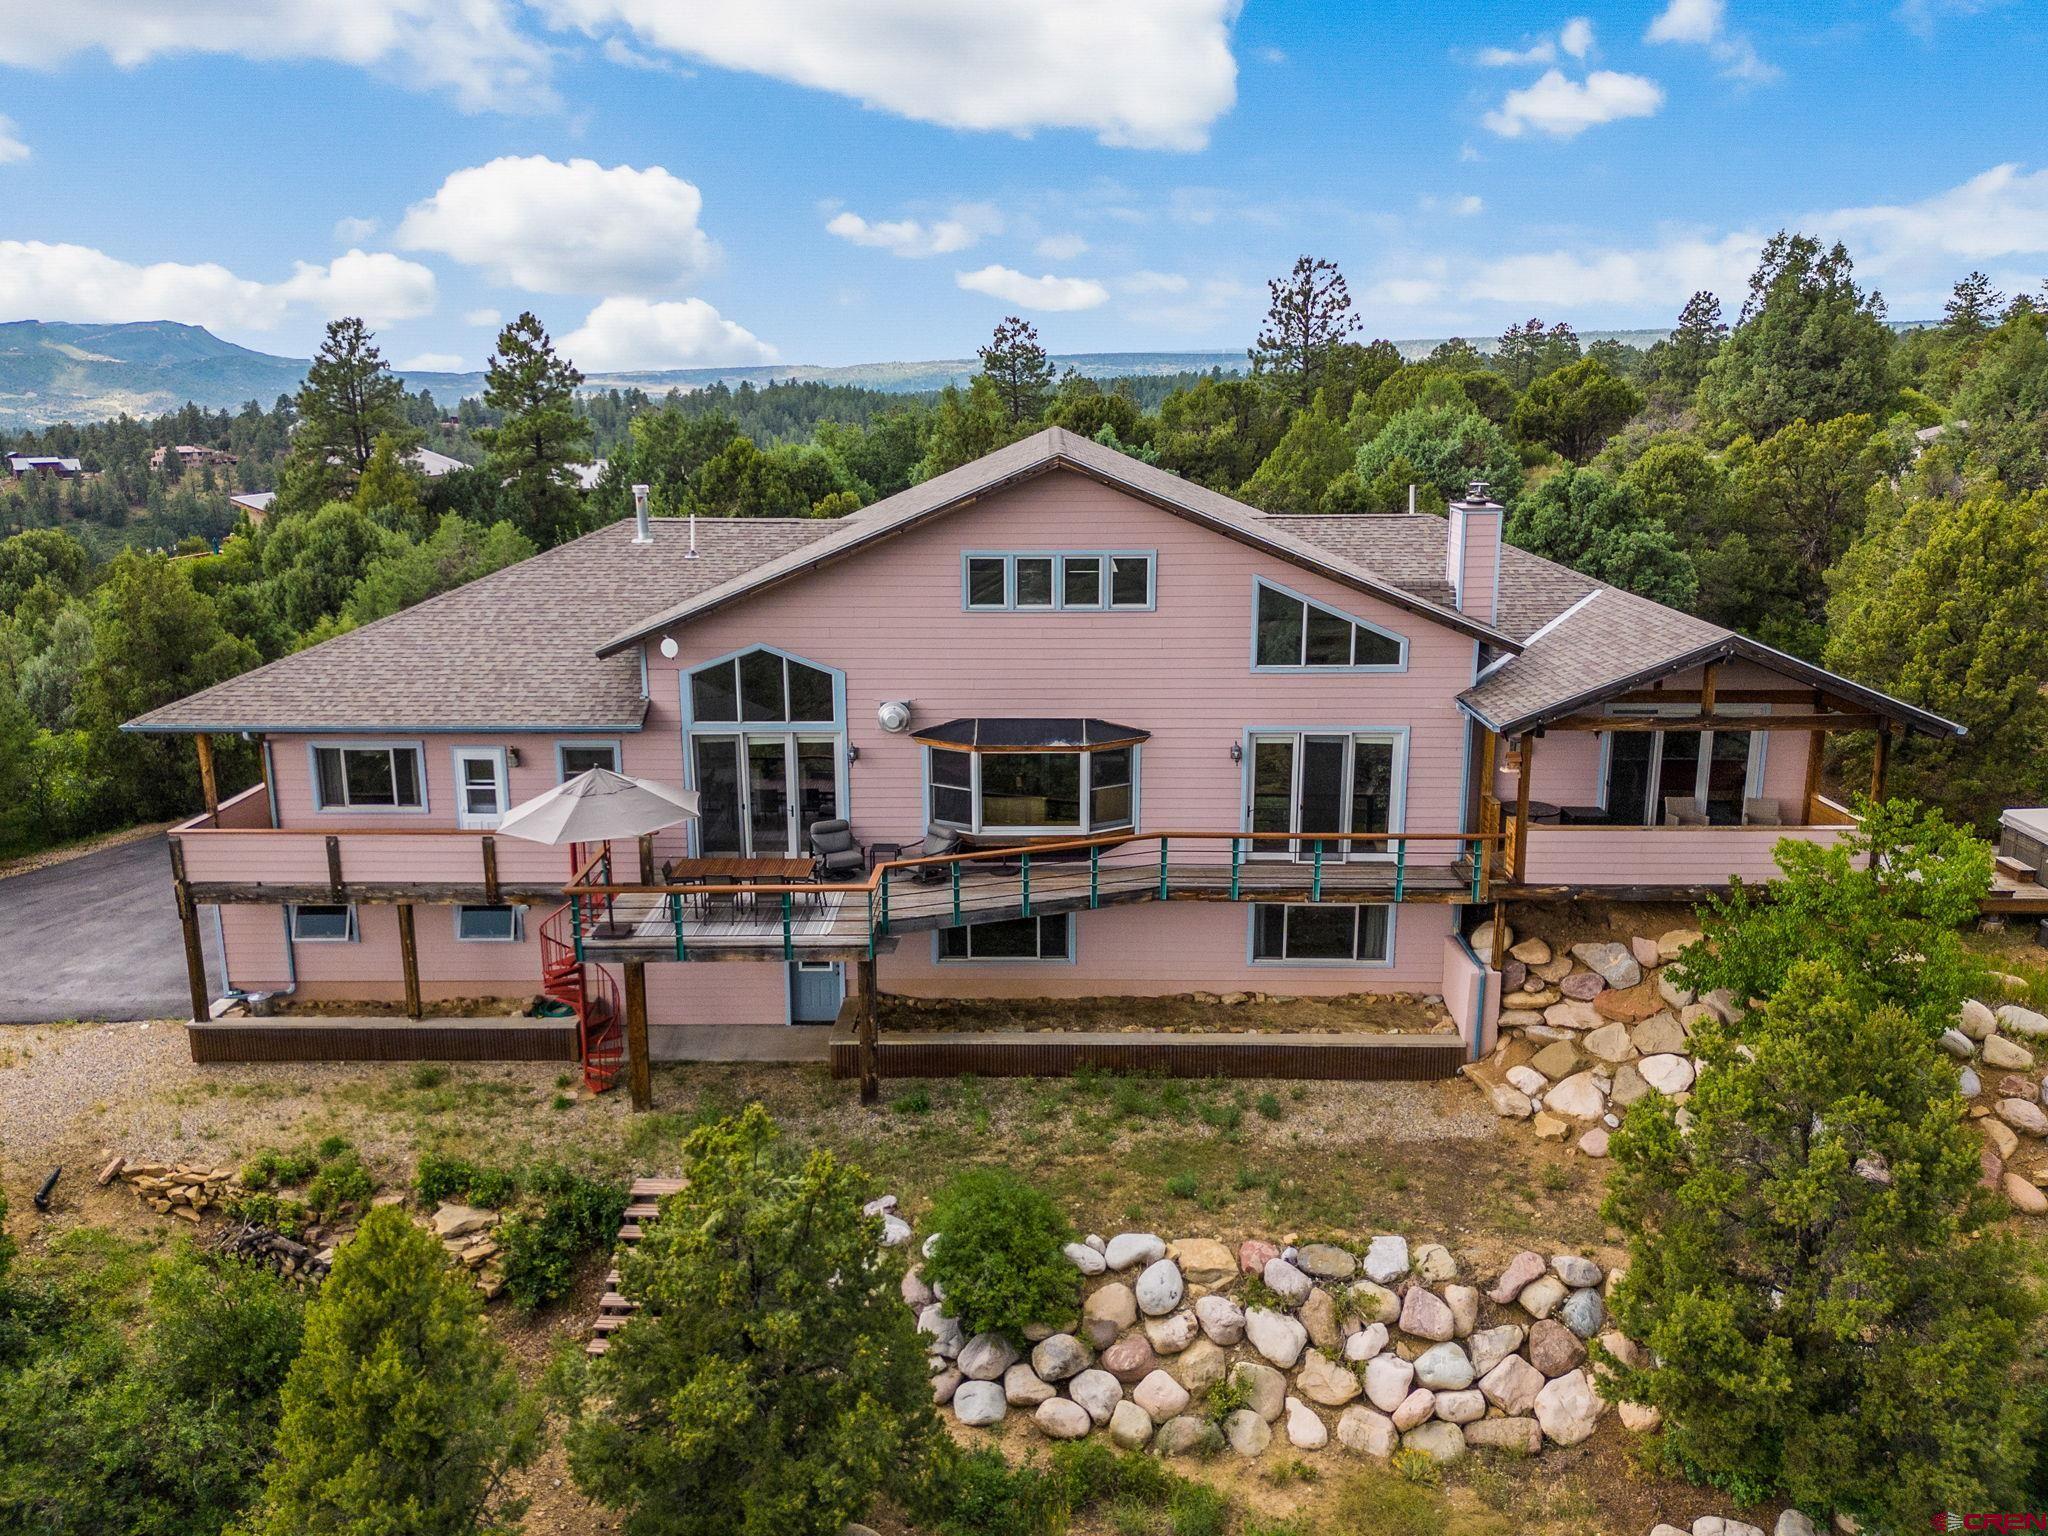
209 786
1499 958
1522 807
409 959
1708 675
188 921
1880 760
640 1083
870 1084
1816 749
647 858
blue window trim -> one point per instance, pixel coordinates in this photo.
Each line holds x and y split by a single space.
517 935
1397 808
1251 938
1087 828
1311 671
1071 957
562 748
692 728
418 749
1059 557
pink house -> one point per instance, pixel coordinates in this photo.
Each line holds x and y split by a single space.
1094 730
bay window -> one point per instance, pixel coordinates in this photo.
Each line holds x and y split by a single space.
1014 793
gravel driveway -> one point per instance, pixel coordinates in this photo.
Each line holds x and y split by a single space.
97 937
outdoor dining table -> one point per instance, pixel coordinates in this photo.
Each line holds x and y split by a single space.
722 870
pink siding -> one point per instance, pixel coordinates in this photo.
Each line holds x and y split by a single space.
1481 574
1472 995
696 996
255 945
1166 948
378 857
1659 855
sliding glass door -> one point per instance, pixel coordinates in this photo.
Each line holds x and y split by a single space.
1655 777
1323 783
760 791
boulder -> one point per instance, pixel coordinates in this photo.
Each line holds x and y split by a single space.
1611 962
1672 944
1305 1428
1628 1086
1549 1127
1060 1419
1098 1392
1022 1387
1512 1385
985 1357
1128 1250
1221 1320
461 1220
1433 1263
1522 1435
1326 1261
1368 1432
1554 1349
1629 1005
1554 969
2024 1197
1287 1282
978 1404
947 1339
1187 1436
1544 1296
1482 938
1610 1042
1527 1080
1556 1060
1386 1259
1246 1433
1667 1074
1645 951
1172 1334
1160 1288
1107 1312
1957 1044
1530 951
1968 1084
2023 1115
1276 1336
1444 1368
1460 1407
1582 986
1161 1396
1130 1427
1522 1268
1794 1522
1417 1406
1976 1020
1583 1312
1253 1254
1576 1270
1638 1418
945 1384
1426 1315
1319 1316
1365 1343
1084 1258
1464 1304
1324 1381
1721 1003
2022 1021
1671 992
1595 1142
1059 1357
1130 1359
1582 1096
1568 1408
1372 1303
1508 1101
1658 1035
1388 1381
1199 1367
916 1294
1265 1388
1204 1261
1489 1346
1438 1440
1574 1015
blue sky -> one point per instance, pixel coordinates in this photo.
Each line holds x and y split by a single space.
680 182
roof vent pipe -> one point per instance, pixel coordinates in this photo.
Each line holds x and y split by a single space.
642 534
691 552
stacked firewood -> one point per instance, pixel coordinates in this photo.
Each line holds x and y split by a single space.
184 1190
273 1250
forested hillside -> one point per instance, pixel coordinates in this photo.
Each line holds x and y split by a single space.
1799 471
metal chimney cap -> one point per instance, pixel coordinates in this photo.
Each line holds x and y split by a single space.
1475 491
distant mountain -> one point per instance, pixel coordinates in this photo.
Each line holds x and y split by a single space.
53 371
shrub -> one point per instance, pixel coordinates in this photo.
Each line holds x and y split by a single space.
1418 1467
565 1217
269 1170
978 1493
998 1256
342 1184
440 1178
262 1208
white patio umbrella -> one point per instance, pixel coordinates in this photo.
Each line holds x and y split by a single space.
597 806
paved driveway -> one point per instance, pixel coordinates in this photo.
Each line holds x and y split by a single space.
97 938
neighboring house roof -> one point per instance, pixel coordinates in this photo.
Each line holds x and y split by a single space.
1042 452
255 501
587 475
433 465
21 461
509 651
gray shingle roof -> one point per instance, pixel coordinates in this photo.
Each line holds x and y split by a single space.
510 650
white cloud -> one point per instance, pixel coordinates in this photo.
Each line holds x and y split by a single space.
2000 214
76 282
433 362
1704 24
1466 207
1651 277
485 317
1061 247
1273 55
574 227
1565 108
1543 52
1153 74
471 48
1921 15
1576 37
913 238
633 335
1196 309
1154 282
1407 292
12 148
1048 292
355 231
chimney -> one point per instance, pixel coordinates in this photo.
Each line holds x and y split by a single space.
642 534
1472 552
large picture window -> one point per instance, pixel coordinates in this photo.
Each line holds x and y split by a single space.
1660 778
1292 633
1321 933
761 686
1023 938
376 778
1033 792
1089 580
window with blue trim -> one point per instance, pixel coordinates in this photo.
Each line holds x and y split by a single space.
760 686
1092 580
1294 632
1019 938
1325 932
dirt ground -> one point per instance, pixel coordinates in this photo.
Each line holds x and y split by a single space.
1198 1013
1229 1160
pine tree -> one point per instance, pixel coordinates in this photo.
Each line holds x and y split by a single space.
539 434
1309 314
1973 308
402 1413
1020 370
389 490
350 399
1676 365
1529 351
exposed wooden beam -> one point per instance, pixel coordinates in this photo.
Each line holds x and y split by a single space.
647 858
870 1084
209 786
1500 935
1528 750
188 923
409 960
1814 697
334 880
1819 722
639 1077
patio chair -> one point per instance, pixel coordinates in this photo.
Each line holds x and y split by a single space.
1762 813
938 841
1683 811
838 855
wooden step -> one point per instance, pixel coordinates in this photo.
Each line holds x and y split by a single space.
608 1324
655 1188
630 1232
597 1346
612 1301
643 1210
2015 870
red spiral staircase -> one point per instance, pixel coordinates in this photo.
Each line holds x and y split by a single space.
589 992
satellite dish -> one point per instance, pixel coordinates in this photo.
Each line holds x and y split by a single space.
894 716
669 647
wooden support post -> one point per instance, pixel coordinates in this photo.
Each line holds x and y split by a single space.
188 921
1880 761
1707 676
1522 808
334 882
1499 958
1816 749
647 858
209 786
640 1082
490 870
409 960
870 1084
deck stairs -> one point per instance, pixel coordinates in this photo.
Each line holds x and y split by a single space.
588 991
643 1205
